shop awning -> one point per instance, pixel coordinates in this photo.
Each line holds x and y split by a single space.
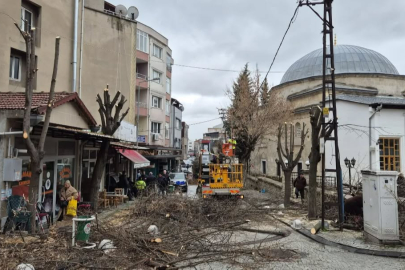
138 160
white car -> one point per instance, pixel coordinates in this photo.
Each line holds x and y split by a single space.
179 180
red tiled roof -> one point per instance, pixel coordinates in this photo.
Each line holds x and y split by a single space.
16 101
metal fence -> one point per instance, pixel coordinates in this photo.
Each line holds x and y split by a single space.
330 181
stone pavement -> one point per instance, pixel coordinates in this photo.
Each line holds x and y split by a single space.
319 256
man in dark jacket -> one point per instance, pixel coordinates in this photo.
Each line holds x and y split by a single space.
162 184
300 183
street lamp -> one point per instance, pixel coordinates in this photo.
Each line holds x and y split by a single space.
307 163
350 164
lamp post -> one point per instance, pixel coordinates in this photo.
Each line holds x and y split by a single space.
307 163
350 164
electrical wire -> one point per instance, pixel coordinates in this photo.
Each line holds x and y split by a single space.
294 17
218 69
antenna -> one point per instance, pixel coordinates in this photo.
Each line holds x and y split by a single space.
133 13
121 10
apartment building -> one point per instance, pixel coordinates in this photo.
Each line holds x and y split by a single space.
153 68
97 48
184 140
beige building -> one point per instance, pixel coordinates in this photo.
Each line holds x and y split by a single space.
97 48
364 79
153 67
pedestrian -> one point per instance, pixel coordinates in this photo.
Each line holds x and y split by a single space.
150 183
300 183
123 182
162 184
67 193
140 187
401 185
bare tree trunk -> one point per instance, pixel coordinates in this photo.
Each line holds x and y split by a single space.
98 172
287 187
312 190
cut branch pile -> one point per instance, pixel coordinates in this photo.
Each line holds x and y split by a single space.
190 233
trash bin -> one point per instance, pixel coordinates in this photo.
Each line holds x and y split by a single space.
171 188
83 228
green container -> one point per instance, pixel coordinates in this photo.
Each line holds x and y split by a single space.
83 229
171 188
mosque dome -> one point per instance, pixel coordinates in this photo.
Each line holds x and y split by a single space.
348 59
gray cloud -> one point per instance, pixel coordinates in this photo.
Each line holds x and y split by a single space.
226 34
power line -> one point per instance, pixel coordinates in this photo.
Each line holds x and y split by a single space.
218 69
294 17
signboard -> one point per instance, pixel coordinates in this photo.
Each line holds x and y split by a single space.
142 138
126 132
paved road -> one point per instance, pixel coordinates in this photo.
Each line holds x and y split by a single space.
314 256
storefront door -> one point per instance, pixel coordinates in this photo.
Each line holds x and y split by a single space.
49 187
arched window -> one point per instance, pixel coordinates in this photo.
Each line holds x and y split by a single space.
297 139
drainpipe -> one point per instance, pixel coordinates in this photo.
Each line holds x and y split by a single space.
369 135
81 51
74 60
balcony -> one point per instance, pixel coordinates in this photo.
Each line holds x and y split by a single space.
143 108
141 76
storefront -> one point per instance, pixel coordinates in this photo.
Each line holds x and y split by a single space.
58 166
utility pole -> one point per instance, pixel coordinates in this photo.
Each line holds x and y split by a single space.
328 86
222 112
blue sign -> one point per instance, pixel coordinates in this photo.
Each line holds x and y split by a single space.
142 139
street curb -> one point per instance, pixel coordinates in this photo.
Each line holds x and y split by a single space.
321 240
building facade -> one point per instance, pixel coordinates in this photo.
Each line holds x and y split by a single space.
154 74
99 50
365 79
184 140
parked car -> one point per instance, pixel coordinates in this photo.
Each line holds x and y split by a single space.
179 180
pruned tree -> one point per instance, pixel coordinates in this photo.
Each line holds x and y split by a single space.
287 153
314 157
264 93
35 149
248 120
110 122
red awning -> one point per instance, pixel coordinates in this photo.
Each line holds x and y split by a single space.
138 160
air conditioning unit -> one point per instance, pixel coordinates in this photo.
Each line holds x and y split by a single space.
155 137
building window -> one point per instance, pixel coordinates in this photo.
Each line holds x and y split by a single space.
390 158
26 15
155 127
157 51
142 41
156 75
15 68
156 102
169 62
264 167
167 131
167 107
178 123
168 89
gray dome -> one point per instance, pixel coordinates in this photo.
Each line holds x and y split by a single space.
348 59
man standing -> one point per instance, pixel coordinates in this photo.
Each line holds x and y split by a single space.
162 184
140 187
150 183
300 183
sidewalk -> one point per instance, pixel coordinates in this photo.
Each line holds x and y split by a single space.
350 240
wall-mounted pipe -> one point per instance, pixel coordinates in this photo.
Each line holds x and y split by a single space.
74 59
369 135
81 51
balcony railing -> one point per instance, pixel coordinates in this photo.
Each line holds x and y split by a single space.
141 104
141 76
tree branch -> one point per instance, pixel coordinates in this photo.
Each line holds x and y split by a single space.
50 99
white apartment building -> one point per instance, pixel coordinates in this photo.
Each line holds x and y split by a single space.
153 67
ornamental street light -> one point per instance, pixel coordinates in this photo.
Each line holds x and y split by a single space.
350 164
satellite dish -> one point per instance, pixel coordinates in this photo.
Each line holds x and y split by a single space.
121 10
133 13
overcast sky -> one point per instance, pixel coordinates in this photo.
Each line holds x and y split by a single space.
226 34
